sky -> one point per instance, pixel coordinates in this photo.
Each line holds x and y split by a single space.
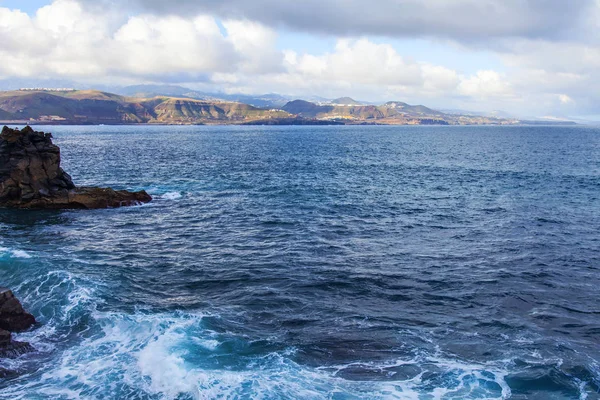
525 57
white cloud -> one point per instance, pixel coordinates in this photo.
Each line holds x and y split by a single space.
64 40
565 99
74 39
545 72
256 43
154 46
464 20
484 85
241 54
362 64
438 79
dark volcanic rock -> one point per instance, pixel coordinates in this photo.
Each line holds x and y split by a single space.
5 337
31 177
13 318
11 348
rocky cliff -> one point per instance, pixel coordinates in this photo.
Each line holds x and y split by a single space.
31 177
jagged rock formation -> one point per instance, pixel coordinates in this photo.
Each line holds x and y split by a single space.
13 318
31 177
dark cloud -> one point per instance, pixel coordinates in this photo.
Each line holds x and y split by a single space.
465 20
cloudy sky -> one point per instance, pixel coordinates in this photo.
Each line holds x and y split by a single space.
526 57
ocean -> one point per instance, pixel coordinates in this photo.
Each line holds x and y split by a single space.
343 262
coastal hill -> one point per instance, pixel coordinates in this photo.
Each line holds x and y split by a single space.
346 101
412 110
94 107
6 116
47 106
393 112
173 110
72 107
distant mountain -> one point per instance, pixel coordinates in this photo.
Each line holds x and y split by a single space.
411 110
149 91
332 111
144 104
100 107
346 101
88 106
305 108
266 100
316 99
190 111
389 111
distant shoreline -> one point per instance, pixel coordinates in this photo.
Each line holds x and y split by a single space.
93 107
525 123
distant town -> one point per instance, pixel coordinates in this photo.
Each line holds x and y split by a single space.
47 90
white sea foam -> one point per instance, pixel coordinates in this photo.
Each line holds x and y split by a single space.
207 343
171 196
276 376
170 355
13 253
20 254
157 355
166 369
160 194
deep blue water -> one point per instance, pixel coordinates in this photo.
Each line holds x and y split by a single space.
315 263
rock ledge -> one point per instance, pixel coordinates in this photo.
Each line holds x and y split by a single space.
31 177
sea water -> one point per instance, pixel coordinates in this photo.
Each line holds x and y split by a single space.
315 263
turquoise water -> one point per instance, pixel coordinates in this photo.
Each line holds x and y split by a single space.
315 263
